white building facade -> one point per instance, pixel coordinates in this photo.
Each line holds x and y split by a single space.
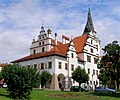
60 59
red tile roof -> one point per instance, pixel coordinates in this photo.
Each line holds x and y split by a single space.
53 42
40 55
3 65
60 49
79 42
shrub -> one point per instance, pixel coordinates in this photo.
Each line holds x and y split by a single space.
20 81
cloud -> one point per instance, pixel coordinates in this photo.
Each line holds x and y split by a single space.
21 20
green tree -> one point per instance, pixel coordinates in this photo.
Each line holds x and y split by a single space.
110 62
20 81
45 77
104 77
79 75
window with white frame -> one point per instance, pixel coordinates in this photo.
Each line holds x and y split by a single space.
42 65
88 70
60 65
72 67
49 65
88 58
66 66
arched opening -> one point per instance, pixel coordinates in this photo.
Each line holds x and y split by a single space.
61 78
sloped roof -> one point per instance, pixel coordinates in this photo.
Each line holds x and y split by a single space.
3 65
89 25
60 49
39 55
79 42
53 42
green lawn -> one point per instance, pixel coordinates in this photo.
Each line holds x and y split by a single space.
59 95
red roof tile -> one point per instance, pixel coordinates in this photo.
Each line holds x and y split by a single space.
3 65
60 49
79 42
54 51
53 42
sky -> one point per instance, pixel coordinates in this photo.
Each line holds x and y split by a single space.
21 21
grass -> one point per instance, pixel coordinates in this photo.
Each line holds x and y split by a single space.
60 95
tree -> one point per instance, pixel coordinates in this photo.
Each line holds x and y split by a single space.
20 81
80 75
110 62
45 76
104 77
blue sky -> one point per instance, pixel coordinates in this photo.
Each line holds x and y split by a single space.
20 21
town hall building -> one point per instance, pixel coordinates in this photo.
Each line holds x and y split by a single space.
61 58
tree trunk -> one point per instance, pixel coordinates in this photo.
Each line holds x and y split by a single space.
79 86
117 83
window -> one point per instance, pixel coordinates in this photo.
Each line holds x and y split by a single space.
66 66
91 82
96 72
96 82
60 65
43 49
91 50
95 60
88 58
39 43
97 47
34 51
72 67
28 66
35 66
91 41
93 72
88 71
72 55
42 65
49 65
43 43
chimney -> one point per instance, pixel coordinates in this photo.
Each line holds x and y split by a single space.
56 38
